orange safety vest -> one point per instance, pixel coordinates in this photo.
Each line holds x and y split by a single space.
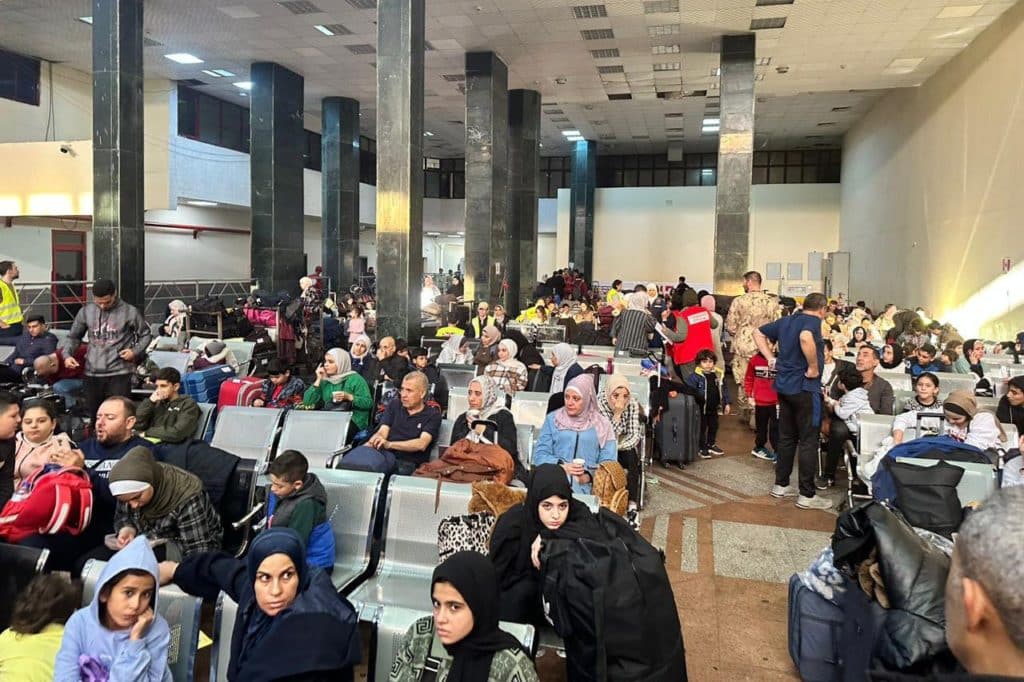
698 336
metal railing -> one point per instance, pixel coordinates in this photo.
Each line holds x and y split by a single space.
59 302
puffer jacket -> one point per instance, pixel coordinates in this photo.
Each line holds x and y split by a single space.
913 634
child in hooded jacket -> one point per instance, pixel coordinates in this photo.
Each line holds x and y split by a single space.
119 636
708 384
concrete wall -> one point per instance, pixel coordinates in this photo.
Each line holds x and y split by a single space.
931 198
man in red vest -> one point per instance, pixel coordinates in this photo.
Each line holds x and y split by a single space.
692 334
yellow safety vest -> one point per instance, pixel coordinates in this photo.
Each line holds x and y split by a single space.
10 305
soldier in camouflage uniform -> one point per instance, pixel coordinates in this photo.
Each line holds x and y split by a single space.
746 314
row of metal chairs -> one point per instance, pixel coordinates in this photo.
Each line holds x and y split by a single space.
874 428
948 381
900 398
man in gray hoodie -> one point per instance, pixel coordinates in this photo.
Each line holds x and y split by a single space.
118 337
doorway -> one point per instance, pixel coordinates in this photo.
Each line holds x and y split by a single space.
68 276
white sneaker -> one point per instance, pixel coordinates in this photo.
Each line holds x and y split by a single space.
787 491
816 502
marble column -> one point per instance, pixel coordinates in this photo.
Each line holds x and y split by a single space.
523 161
277 146
581 232
339 186
117 147
487 239
400 37
735 160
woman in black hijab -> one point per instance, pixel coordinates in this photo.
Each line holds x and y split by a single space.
892 356
291 622
462 641
549 511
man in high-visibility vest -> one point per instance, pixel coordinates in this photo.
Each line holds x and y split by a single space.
10 307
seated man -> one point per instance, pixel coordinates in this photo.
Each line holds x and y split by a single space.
167 416
407 430
280 388
35 342
880 393
924 362
66 382
984 612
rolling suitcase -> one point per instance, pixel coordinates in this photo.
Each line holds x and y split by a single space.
677 433
238 392
203 386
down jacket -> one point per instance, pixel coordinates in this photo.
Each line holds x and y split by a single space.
913 636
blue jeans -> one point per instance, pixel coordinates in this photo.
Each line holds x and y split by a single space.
69 389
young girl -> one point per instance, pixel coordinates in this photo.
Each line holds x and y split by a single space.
28 648
119 636
36 444
925 401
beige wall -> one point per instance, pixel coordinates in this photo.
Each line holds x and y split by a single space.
72 109
932 196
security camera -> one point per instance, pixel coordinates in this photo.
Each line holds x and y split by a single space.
66 149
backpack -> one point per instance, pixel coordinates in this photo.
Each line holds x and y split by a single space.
50 501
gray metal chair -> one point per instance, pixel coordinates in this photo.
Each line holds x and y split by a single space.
223 627
242 350
530 408
248 432
180 610
458 402
956 382
205 425
5 353
353 498
525 438
392 624
457 376
900 381
444 438
408 552
320 436
170 358
639 386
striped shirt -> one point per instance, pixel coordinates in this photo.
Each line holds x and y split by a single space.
630 330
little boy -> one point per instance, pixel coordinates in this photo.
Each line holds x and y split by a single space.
708 382
760 383
852 403
298 501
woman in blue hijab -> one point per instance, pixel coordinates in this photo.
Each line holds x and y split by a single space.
291 621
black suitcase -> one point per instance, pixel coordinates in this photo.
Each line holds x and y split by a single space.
678 431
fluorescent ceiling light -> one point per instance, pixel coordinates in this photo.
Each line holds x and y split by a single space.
577 138
204 204
224 72
571 133
85 20
711 122
211 74
433 234
427 133
184 58
244 85
709 129
323 29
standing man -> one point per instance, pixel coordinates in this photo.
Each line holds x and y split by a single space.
747 314
10 304
798 383
118 338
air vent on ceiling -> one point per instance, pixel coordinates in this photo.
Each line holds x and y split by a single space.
553 112
641 137
363 4
617 68
673 94
661 6
564 127
840 108
825 124
599 123
619 96
814 137
695 93
300 7
560 119
672 48
362 48
606 137
457 122
589 11
549 104
673 130
766 23
192 82
149 42
667 66
454 77
765 3
338 29
610 53
663 30
598 34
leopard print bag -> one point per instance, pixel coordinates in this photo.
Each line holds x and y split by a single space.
465 532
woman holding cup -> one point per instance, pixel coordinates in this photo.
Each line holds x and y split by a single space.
339 388
577 437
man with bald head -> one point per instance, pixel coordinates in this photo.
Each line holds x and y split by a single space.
407 431
388 365
66 381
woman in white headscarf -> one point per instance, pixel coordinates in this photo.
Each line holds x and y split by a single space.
487 404
631 328
563 359
338 386
455 351
508 373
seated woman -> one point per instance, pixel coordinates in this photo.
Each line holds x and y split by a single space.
487 403
967 424
487 353
517 536
339 387
36 445
508 373
461 641
564 367
162 502
291 622
858 337
455 351
925 401
892 357
1010 410
577 437
360 353
617 403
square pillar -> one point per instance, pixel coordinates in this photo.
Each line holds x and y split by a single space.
523 162
339 186
584 184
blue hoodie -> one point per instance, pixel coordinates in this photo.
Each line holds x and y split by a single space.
125 660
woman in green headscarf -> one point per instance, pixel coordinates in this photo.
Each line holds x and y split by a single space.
162 502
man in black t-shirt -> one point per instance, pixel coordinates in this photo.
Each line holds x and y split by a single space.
409 426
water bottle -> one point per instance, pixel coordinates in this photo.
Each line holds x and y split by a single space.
609 367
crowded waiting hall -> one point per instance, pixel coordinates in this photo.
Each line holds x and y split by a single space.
519 341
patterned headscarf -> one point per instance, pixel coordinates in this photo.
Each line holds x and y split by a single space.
637 301
590 417
566 356
494 397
